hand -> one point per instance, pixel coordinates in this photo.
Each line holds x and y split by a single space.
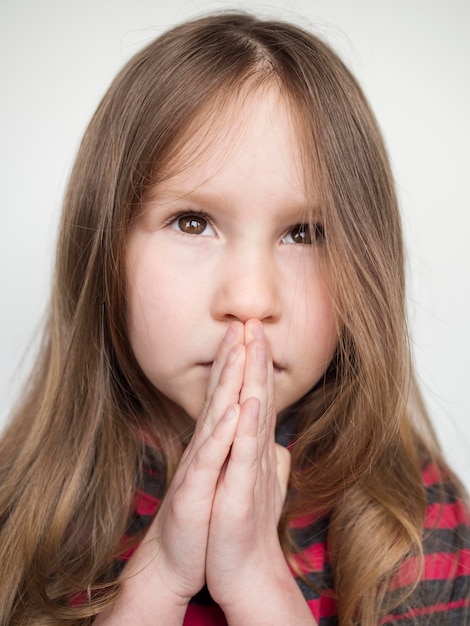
218 520
243 546
176 542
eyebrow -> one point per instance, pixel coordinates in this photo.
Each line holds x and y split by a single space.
218 201
162 193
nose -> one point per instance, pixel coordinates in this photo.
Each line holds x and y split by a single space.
247 286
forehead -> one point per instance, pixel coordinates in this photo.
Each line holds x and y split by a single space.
254 125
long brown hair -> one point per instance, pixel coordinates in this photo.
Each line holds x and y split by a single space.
70 459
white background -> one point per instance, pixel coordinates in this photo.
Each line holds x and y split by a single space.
411 56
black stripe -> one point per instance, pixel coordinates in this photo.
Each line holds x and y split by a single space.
449 617
315 583
203 598
307 536
154 475
446 540
138 523
441 493
428 593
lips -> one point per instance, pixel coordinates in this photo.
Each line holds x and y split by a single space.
208 365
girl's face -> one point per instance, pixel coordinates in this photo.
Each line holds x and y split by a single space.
225 239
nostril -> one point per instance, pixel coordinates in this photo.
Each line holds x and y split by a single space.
250 296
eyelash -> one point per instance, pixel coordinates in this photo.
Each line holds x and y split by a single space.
318 236
200 215
313 234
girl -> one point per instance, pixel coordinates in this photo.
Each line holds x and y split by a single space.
223 424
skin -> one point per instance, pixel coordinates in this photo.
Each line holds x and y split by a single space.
233 322
184 289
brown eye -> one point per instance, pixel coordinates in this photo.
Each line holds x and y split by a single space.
192 224
305 234
301 234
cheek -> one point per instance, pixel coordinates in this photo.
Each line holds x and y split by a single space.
312 306
311 344
315 328
149 308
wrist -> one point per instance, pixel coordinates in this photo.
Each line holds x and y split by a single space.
143 605
145 598
269 597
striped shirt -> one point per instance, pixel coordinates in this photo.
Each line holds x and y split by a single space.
442 597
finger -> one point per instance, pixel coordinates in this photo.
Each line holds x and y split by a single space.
255 378
241 471
225 378
226 393
253 330
233 336
201 463
258 383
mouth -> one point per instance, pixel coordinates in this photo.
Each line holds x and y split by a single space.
207 366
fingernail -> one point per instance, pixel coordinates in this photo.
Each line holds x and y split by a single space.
262 353
230 334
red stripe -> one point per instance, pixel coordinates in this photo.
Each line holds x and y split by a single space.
78 600
314 606
446 515
433 475
203 615
328 606
439 566
304 521
145 504
324 606
312 558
